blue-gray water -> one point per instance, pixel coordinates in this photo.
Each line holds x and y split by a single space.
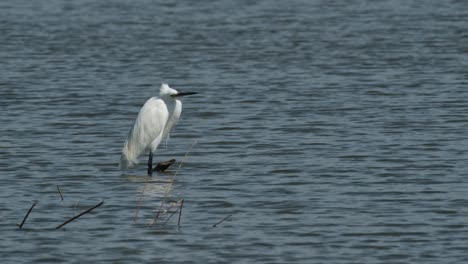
331 131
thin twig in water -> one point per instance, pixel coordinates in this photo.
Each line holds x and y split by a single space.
60 192
185 157
222 220
77 216
173 213
158 213
27 214
166 193
140 202
180 211
172 181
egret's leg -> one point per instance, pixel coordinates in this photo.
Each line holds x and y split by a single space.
150 164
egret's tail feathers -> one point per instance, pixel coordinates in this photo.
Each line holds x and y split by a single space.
126 163
129 157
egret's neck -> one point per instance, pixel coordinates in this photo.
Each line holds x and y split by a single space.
168 99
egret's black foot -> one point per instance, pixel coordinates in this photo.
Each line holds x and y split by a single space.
150 164
162 166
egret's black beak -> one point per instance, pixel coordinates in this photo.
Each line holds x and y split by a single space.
186 93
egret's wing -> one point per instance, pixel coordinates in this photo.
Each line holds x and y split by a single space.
148 127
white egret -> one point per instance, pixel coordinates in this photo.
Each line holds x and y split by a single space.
152 125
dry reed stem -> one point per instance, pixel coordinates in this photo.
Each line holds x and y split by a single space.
173 213
222 220
185 157
27 214
180 211
166 193
158 213
173 177
140 202
77 216
60 192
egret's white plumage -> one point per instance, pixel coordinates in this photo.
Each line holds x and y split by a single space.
152 125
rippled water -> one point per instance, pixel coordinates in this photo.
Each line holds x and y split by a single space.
331 131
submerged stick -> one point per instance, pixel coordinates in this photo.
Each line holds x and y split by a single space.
77 216
60 192
27 214
173 213
222 220
158 213
180 211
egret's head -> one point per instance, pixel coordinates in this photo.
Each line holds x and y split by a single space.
166 91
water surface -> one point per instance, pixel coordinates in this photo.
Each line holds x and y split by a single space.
331 131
